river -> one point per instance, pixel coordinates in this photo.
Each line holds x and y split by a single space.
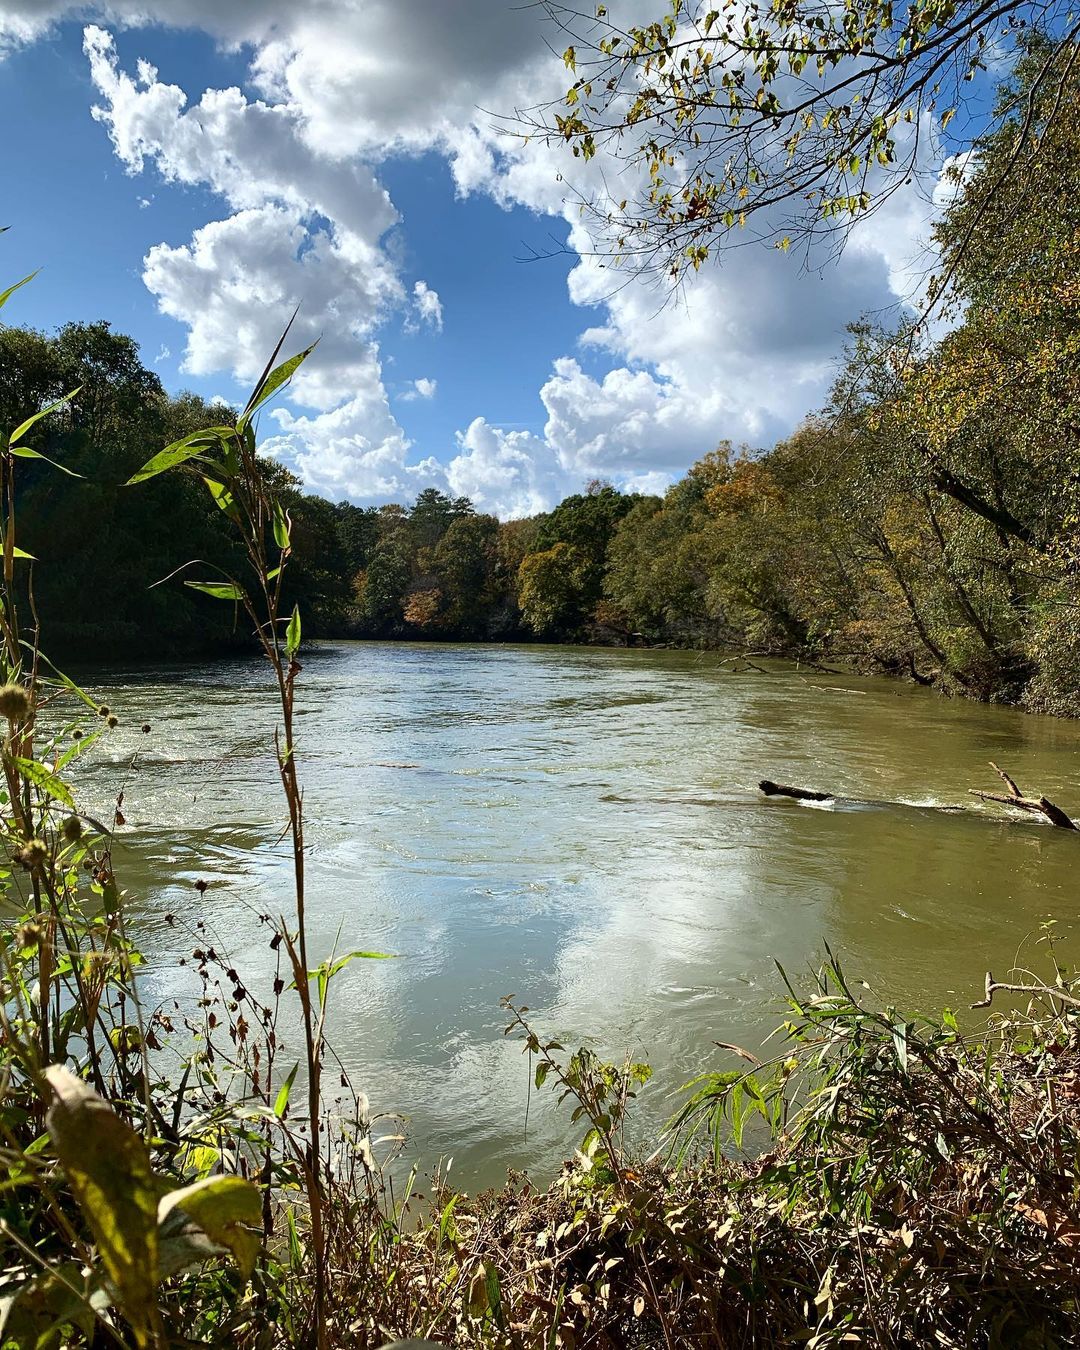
580 828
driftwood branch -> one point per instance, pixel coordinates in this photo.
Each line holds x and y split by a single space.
1039 805
1009 783
1039 990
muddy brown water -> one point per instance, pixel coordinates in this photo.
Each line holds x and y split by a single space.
579 828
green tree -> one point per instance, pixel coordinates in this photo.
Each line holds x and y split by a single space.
464 561
432 514
551 590
381 588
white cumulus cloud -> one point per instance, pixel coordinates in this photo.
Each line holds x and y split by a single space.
653 382
427 305
421 388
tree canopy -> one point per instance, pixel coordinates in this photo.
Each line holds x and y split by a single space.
786 120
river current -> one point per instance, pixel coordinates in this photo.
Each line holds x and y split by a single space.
579 828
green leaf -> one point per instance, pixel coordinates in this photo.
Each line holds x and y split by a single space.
108 1169
296 1252
292 633
76 748
281 527
282 1100
5 296
21 430
223 498
270 384
179 453
220 590
24 452
226 1209
22 553
80 693
326 972
43 778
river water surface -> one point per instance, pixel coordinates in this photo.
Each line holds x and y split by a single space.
580 828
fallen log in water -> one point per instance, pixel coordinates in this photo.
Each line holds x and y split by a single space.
772 789
1040 805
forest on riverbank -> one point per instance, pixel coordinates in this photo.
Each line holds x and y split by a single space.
924 523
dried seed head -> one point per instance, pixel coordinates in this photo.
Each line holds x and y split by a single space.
146 728
104 710
29 935
34 854
76 735
14 702
112 721
72 829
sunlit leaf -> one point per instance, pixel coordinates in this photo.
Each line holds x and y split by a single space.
282 1100
190 447
220 590
108 1169
22 429
45 779
271 383
281 527
227 1209
24 452
5 296
292 633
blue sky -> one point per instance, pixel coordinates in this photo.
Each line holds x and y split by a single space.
75 213
352 171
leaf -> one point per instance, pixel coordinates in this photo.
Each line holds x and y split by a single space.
35 1313
292 633
343 961
45 779
21 430
22 553
5 296
270 384
282 1100
296 1252
223 498
76 748
900 1042
226 1209
281 527
24 452
220 590
476 1301
108 1169
179 453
